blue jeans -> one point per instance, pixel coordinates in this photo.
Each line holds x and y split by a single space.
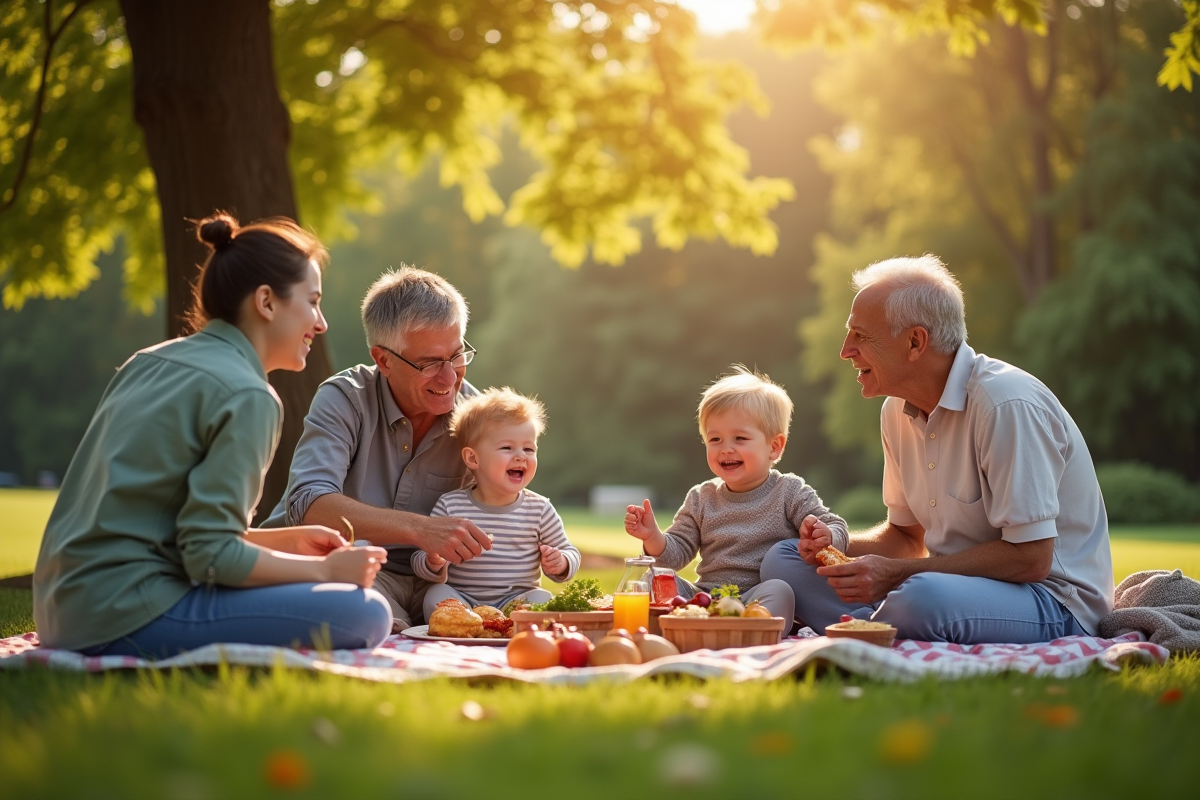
326 615
931 606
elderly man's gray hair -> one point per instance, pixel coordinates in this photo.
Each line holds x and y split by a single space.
921 291
406 300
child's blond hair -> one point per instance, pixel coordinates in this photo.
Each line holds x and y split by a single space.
765 401
495 407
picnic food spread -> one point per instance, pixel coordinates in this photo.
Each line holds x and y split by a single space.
561 646
865 630
852 624
452 619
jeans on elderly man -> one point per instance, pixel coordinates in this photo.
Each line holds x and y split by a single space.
930 606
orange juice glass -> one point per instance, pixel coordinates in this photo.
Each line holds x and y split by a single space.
631 609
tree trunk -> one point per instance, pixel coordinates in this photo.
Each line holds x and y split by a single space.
1038 270
217 133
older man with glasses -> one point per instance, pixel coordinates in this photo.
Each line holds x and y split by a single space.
375 451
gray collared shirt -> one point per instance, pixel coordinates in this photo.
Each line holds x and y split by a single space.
358 443
1000 458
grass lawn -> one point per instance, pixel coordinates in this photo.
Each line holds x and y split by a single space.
263 733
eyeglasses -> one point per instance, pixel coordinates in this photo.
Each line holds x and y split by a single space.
432 368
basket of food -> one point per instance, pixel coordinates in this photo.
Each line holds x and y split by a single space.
592 624
581 604
864 630
720 621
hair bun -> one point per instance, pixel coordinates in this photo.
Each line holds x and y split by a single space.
217 231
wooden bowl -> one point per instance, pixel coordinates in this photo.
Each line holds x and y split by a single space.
592 624
880 636
718 633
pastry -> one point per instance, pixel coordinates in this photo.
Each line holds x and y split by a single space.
452 619
488 612
831 556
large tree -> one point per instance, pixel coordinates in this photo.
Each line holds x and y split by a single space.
269 108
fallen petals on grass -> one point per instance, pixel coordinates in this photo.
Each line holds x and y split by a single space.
693 765
905 742
1055 716
1170 696
326 731
473 711
772 743
287 769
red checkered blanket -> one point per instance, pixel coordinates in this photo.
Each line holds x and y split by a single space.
399 660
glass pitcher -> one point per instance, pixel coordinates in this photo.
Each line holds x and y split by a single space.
631 600
662 585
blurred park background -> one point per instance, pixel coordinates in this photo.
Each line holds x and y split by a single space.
1043 161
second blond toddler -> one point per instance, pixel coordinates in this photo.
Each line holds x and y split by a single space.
735 518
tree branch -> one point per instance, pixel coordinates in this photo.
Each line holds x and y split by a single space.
52 37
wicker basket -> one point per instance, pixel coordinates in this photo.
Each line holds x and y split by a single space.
592 624
880 636
718 633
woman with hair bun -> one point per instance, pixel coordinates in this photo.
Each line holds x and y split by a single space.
148 551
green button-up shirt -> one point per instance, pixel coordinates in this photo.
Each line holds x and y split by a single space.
160 491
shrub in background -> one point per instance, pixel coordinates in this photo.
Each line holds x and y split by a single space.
862 505
1136 493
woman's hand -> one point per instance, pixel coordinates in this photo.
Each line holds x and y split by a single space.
357 565
302 540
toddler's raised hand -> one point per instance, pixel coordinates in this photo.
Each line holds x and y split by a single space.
553 560
814 535
434 561
640 522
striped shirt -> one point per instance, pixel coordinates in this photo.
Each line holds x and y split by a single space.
513 565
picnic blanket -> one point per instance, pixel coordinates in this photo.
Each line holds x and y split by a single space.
401 660
1163 604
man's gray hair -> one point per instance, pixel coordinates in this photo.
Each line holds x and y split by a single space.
406 300
921 291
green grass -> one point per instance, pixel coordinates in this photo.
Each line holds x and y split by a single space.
195 735
23 516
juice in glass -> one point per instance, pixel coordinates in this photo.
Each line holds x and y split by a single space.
631 610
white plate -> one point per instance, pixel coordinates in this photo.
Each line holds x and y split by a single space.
422 632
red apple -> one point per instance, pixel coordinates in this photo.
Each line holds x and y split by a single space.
573 648
702 599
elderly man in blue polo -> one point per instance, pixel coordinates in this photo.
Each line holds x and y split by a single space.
995 529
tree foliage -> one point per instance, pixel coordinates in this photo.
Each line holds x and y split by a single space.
966 23
624 122
1116 338
939 154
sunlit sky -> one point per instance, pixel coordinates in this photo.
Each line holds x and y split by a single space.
720 16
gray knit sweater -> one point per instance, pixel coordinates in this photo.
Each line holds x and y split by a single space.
734 530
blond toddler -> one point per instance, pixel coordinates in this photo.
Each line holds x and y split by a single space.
735 518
